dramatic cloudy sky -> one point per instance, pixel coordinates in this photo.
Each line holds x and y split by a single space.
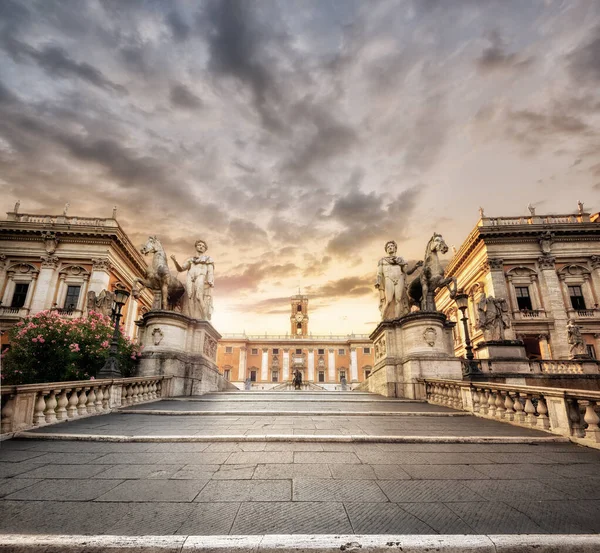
298 136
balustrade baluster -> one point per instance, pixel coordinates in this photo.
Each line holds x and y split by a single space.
72 404
106 398
98 400
484 395
475 400
81 405
129 394
492 404
51 403
136 393
500 409
40 407
152 391
518 406
91 402
592 432
543 421
530 410
575 418
8 411
509 414
145 391
62 402
159 385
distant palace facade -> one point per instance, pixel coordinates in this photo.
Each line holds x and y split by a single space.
269 361
55 261
546 267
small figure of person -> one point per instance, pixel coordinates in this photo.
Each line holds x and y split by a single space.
391 283
575 339
200 281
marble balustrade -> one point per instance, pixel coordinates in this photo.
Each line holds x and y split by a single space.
571 413
34 405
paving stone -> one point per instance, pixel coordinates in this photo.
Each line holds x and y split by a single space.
515 472
196 472
200 458
68 458
390 472
246 490
584 488
10 485
308 489
562 517
126 472
155 518
63 471
384 518
508 490
233 446
287 446
59 490
419 491
209 519
494 518
352 472
452 458
439 517
7 470
576 471
325 457
519 458
16 456
391 458
256 457
291 518
444 472
234 472
275 471
140 491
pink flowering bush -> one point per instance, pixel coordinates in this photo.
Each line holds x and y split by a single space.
47 347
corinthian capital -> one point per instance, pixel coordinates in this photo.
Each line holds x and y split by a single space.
546 261
493 264
49 261
100 264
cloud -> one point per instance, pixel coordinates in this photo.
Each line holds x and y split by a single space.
495 58
247 277
353 286
182 97
179 28
584 60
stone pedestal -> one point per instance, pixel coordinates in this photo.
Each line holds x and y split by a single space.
181 347
419 345
501 349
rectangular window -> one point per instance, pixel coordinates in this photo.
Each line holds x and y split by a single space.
252 376
320 352
576 296
321 376
523 298
228 349
275 351
341 352
366 350
227 374
275 376
299 308
20 295
342 375
591 350
367 374
72 297
298 352
254 351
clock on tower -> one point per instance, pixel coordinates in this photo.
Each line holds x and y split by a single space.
299 315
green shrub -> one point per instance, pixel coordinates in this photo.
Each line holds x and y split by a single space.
49 348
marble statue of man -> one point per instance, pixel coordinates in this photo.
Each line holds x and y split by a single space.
391 283
575 339
492 317
200 281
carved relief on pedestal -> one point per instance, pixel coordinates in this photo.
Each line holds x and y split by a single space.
100 264
210 347
49 261
380 348
157 336
546 262
430 335
50 241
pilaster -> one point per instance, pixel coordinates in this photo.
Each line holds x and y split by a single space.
311 365
242 364
331 365
42 297
100 279
353 365
264 366
552 289
286 364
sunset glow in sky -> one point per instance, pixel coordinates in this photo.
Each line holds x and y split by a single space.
296 137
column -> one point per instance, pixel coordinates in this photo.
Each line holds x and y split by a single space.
42 297
514 305
497 287
353 365
131 312
242 364
588 291
2 271
100 279
595 283
552 291
597 345
264 366
30 292
9 288
331 365
311 365
286 365
544 346
539 303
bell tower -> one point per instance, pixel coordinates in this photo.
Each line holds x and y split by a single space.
299 315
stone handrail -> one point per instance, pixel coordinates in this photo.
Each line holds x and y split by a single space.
320 337
570 413
539 366
61 219
568 218
34 405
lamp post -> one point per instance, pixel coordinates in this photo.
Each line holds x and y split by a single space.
111 367
471 367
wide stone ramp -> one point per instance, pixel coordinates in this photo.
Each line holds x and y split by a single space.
228 468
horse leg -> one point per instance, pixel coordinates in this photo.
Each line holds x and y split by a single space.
164 294
424 296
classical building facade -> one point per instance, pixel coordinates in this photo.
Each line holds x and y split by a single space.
266 361
546 267
55 261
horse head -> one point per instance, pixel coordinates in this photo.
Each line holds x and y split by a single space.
151 246
437 244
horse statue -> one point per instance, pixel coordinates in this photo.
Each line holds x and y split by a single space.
422 289
297 380
159 277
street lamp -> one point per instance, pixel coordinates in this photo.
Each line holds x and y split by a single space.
471 368
111 367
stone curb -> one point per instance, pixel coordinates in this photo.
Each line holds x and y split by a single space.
300 438
542 543
288 400
294 413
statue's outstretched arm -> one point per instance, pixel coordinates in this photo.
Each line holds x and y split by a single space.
417 265
179 268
